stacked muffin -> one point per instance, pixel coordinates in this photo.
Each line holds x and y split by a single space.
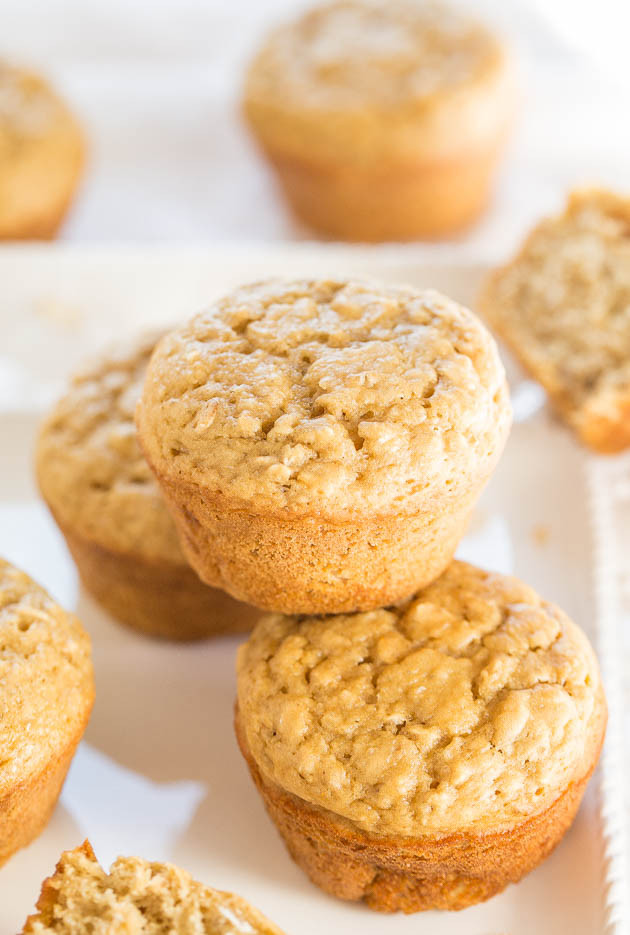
421 731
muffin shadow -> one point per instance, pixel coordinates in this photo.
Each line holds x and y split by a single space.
181 731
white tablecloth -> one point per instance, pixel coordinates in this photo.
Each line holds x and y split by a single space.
157 86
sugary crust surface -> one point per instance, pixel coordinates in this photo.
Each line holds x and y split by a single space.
41 155
563 306
471 705
431 871
90 468
357 81
139 898
326 398
46 680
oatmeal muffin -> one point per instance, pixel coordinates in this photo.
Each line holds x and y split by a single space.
563 306
425 755
138 898
46 695
102 494
321 444
383 121
41 156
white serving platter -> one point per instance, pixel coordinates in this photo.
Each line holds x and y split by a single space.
159 773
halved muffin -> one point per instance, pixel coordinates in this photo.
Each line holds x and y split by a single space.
563 307
137 897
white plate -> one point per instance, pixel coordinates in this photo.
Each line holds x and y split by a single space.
159 773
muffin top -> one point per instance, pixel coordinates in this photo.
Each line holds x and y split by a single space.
564 303
472 704
28 109
139 898
89 464
326 398
46 681
353 69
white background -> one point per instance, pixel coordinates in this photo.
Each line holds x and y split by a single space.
157 86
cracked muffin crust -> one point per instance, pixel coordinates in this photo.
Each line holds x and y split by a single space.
311 436
138 897
383 121
472 713
41 156
46 695
563 306
104 498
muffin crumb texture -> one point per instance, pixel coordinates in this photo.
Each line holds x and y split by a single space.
467 706
326 397
563 305
45 678
137 897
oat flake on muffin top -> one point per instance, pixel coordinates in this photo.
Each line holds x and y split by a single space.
470 705
326 397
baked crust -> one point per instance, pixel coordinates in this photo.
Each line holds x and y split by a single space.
307 564
557 306
45 703
158 598
396 874
321 443
42 152
438 713
26 808
138 896
109 508
427 201
382 121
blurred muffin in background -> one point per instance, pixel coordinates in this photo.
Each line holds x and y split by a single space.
41 156
382 121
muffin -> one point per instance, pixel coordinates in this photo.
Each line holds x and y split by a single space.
425 755
563 307
41 156
136 897
382 121
105 501
321 444
46 695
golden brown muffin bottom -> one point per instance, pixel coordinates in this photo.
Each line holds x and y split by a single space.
393 874
160 598
428 201
309 565
26 809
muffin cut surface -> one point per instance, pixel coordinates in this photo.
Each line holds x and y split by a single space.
138 898
563 306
